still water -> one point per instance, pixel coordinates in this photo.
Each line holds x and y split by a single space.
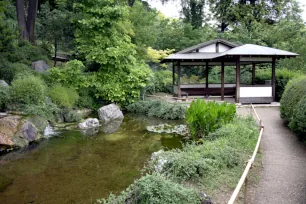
75 168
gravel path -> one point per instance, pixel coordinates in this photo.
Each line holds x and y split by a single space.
284 163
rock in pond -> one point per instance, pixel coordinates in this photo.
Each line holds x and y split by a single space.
89 123
40 66
110 112
3 83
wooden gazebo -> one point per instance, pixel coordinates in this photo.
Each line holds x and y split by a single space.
223 53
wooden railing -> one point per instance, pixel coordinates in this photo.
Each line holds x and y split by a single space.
244 177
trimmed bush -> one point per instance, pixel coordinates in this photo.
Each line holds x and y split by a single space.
283 76
204 117
8 71
298 121
294 92
29 90
63 96
158 109
155 189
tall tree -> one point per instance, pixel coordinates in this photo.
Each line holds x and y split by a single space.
26 21
193 12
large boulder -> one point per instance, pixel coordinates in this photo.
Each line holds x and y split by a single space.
29 132
89 123
110 112
40 66
8 128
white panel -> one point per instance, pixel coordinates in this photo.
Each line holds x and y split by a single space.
255 91
175 89
209 48
223 48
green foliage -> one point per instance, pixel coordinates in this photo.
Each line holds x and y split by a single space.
228 147
204 117
45 110
4 97
158 109
298 121
155 189
161 81
294 92
63 96
86 99
283 76
68 115
70 74
30 90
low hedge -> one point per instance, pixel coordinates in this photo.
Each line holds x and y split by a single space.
298 121
294 92
293 106
283 76
158 109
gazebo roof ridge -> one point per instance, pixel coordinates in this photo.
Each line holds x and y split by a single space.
252 49
204 44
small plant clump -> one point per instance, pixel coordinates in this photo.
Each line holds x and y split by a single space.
204 117
160 109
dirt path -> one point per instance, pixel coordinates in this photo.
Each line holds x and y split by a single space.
284 163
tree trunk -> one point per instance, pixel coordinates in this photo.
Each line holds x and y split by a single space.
32 13
21 19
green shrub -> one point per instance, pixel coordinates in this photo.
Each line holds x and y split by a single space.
230 146
160 109
4 97
204 117
8 71
161 81
155 189
86 99
63 96
294 92
283 76
45 110
298 121
29 90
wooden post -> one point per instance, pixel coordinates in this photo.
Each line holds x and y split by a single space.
273 78
237 80
222 81
173 77
206 71
253 73
245 190
179 80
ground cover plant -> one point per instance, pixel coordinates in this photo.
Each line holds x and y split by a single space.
203 117
160 109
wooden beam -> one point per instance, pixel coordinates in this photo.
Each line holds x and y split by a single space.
217 47
179 80
237 80
273 78
256 59
253 73
206 74
222 81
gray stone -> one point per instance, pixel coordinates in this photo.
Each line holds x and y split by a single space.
110 112
89 123
30 132
40 66
3 83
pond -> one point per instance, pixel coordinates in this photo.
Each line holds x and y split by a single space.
74 168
